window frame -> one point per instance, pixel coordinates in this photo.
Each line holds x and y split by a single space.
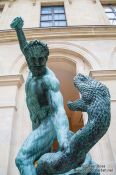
113 11
53 13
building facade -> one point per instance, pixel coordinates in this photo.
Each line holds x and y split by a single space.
81 35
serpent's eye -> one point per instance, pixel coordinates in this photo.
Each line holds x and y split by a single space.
82 78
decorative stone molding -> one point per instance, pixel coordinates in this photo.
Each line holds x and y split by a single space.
113 100
94 1
103 74
108 2
1 6
70 1
10 2
34 2
7 105
61 32
10 80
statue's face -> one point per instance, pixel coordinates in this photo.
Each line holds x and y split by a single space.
39 61
37 65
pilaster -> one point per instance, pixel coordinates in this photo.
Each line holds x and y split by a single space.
9 85
105 150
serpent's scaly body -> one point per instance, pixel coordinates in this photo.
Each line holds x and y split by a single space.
96 102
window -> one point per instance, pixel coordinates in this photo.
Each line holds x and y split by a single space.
111 13
53 16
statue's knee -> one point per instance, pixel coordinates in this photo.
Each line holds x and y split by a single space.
18 161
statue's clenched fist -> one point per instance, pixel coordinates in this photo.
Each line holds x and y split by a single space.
17 23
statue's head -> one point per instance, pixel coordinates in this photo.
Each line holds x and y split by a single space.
36 54
90 88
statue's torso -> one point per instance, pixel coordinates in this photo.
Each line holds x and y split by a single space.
37 97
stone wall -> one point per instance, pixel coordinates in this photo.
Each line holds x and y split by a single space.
81 12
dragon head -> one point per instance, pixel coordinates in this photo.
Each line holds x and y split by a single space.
90 88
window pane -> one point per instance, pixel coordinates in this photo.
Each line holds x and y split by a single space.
108 9
46 24
59 17
58 9
114 8
60 23
46 17
46 10
110 15
110 12
113 22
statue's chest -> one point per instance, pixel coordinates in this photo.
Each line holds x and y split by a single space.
37 92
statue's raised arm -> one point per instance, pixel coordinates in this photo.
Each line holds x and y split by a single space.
35 52
17 24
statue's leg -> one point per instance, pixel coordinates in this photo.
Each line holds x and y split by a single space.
89 167
95 168
38 143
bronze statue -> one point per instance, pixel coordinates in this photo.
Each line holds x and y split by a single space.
45 104
49 120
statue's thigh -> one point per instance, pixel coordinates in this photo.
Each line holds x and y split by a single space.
40 140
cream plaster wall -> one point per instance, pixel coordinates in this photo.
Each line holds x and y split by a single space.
81 12
8 98
98 53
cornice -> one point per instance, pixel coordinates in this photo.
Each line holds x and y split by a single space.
108 2
60 33
9 80
103 74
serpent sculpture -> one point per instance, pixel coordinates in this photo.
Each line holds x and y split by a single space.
96 102
49 120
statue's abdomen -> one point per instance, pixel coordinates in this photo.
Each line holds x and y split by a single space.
38 108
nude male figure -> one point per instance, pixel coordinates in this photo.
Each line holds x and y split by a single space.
45 104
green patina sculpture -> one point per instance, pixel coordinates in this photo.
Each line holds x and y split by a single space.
45 104
49 120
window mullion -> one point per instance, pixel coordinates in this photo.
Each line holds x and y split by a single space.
111 14
53 23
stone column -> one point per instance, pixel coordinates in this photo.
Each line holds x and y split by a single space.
104 152
9 85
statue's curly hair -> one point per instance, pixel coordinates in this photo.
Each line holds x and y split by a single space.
34 47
